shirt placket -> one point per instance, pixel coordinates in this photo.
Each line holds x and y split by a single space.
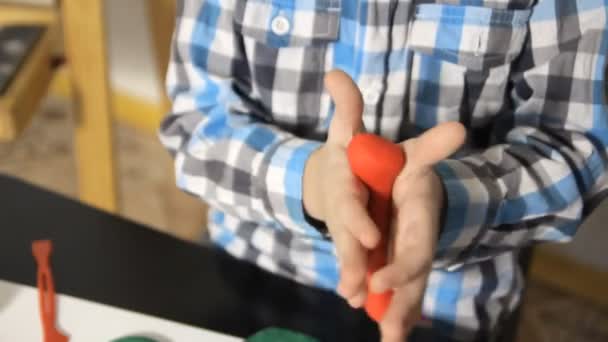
384 49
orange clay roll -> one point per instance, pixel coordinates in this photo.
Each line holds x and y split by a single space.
377 163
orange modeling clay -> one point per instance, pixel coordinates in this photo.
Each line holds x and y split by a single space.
377 162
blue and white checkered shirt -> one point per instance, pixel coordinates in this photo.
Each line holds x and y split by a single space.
525 77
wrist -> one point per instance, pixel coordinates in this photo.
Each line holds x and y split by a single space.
311 186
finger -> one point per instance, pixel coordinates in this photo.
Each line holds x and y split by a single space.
349 107
412 248
392 326
413 320
389 277
394 276
356 218
351 206
435 145
353 260
403 313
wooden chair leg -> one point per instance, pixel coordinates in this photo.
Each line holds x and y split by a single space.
22 91
162 21
179 205
86 51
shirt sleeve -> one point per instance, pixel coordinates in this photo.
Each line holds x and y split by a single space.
237 162
546 168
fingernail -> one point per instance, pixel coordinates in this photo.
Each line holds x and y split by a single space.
369 240
378 286
357 301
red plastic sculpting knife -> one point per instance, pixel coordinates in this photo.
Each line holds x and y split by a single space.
377 162
46 291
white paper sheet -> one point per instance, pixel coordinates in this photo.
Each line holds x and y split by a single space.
87 321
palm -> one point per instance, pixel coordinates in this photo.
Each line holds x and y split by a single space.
417 219
418 200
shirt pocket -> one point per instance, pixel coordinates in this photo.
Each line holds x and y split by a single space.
475 37
466 53
286 46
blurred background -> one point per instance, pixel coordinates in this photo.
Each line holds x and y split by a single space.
78 116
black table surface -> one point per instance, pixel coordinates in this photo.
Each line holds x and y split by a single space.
110 260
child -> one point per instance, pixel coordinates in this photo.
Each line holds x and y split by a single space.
256 134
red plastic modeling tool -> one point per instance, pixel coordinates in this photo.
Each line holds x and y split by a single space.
377 162
46 291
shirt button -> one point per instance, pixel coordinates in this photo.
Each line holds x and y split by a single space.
377 85
280 25
371 96
453 268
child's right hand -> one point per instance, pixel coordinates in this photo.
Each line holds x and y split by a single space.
333 194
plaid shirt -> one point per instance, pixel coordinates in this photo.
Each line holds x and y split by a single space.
525 77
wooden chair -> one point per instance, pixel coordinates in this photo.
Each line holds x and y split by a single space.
26 71
84 44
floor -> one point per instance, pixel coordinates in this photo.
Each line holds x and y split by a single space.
44 156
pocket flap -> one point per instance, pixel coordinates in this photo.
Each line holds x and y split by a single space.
476 37
281 23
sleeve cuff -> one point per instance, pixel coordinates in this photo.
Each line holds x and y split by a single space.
468 205
284 178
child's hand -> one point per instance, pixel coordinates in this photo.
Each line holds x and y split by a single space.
418 199
334 195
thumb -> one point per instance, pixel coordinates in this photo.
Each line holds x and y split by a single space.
349 107
435 145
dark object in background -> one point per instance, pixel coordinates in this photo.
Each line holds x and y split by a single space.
16 43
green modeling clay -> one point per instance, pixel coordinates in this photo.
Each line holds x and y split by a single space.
279 335
134 339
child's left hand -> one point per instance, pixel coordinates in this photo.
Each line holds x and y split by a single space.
418 201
